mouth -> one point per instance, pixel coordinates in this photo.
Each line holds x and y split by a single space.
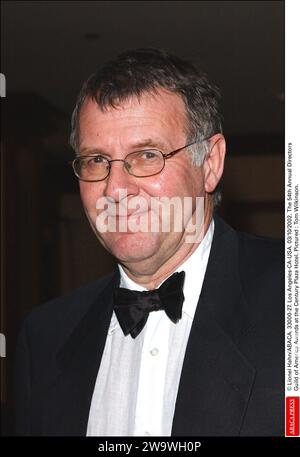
132 222
129 214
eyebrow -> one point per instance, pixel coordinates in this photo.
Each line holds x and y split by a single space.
147 142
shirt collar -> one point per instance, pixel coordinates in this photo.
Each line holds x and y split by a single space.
195 268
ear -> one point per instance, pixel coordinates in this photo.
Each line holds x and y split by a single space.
214 162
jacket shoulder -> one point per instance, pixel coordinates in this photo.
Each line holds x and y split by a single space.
257 255
261 267
264 254
58 317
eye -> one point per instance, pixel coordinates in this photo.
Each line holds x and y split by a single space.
96 160
149 155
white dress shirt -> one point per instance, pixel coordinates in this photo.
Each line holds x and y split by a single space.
137 383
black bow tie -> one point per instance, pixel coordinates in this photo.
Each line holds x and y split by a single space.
132 307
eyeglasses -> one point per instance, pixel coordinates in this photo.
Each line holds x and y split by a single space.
141 164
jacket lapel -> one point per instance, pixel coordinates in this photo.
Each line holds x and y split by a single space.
66 404
216 378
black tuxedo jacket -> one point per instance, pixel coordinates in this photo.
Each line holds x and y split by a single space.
232 380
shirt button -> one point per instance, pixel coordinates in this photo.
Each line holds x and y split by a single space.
154 351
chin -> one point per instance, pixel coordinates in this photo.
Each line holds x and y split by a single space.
129 246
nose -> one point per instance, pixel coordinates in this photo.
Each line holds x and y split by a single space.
118 179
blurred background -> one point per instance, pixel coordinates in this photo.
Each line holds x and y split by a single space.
48 49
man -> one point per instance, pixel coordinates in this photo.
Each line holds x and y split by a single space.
144 351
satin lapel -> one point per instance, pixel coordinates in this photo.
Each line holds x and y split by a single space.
216 378
67 402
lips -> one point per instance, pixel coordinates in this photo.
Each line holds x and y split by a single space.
128 214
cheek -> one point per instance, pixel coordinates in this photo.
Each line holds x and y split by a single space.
89 193
181 182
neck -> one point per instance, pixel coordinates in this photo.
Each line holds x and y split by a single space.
150 274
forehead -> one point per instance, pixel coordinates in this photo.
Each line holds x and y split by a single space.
161 112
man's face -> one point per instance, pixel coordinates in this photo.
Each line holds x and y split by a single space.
153 122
